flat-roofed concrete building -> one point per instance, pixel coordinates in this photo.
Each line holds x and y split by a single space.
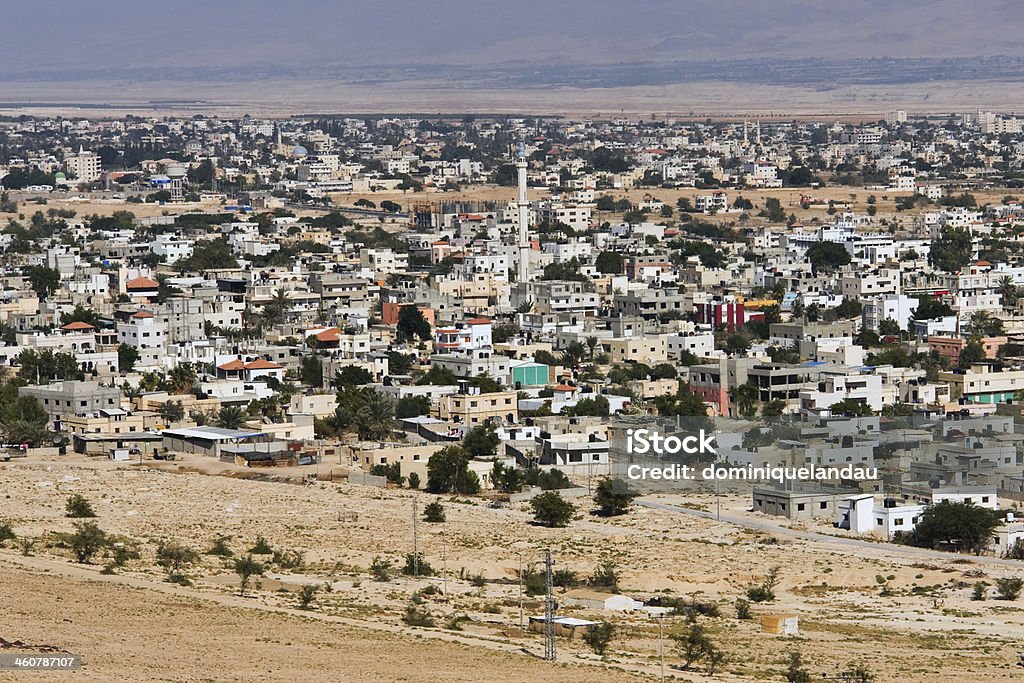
71 397
799 503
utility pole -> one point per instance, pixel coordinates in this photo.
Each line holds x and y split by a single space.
444 563
661 647
520 556
549 611
718 500
415 544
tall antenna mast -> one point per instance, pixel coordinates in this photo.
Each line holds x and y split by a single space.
549 611
523 204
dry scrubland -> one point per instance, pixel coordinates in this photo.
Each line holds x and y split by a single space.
296 96
845 198
927 628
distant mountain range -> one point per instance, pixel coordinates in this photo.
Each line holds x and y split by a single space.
593 42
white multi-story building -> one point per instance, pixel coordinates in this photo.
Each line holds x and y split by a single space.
861 514
170 248
899 308
716 202
858 285
841 385
576 216
473 334
85 166
699 344
148 336
383 261
761 174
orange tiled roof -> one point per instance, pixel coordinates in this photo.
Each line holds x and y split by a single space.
328 335
141 283
261 364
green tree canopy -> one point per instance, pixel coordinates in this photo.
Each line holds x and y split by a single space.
951 250
40 367
827 256
481 440
44 280
411 324
931 308
959 525
609 262
448 472
550 509
613 497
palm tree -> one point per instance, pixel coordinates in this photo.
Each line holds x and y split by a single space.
275 310
980 320
373 421
1007 290
574 353
525 307
747 397
231 417
592 345
181 378
798 308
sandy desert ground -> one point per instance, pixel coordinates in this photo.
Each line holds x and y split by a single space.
288 97
908 616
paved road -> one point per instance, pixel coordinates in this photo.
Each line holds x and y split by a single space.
837 542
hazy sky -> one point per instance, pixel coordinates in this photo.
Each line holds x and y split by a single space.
78 36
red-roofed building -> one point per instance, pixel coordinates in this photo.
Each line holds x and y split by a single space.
252 370
324 339
564 392
232 369
262 368
467 336
142 288
78 326
439 251
141 283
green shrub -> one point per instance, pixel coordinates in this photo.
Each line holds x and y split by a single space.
381 569
78 506
261 547
220 547
434 513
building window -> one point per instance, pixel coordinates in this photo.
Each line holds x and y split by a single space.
800 507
